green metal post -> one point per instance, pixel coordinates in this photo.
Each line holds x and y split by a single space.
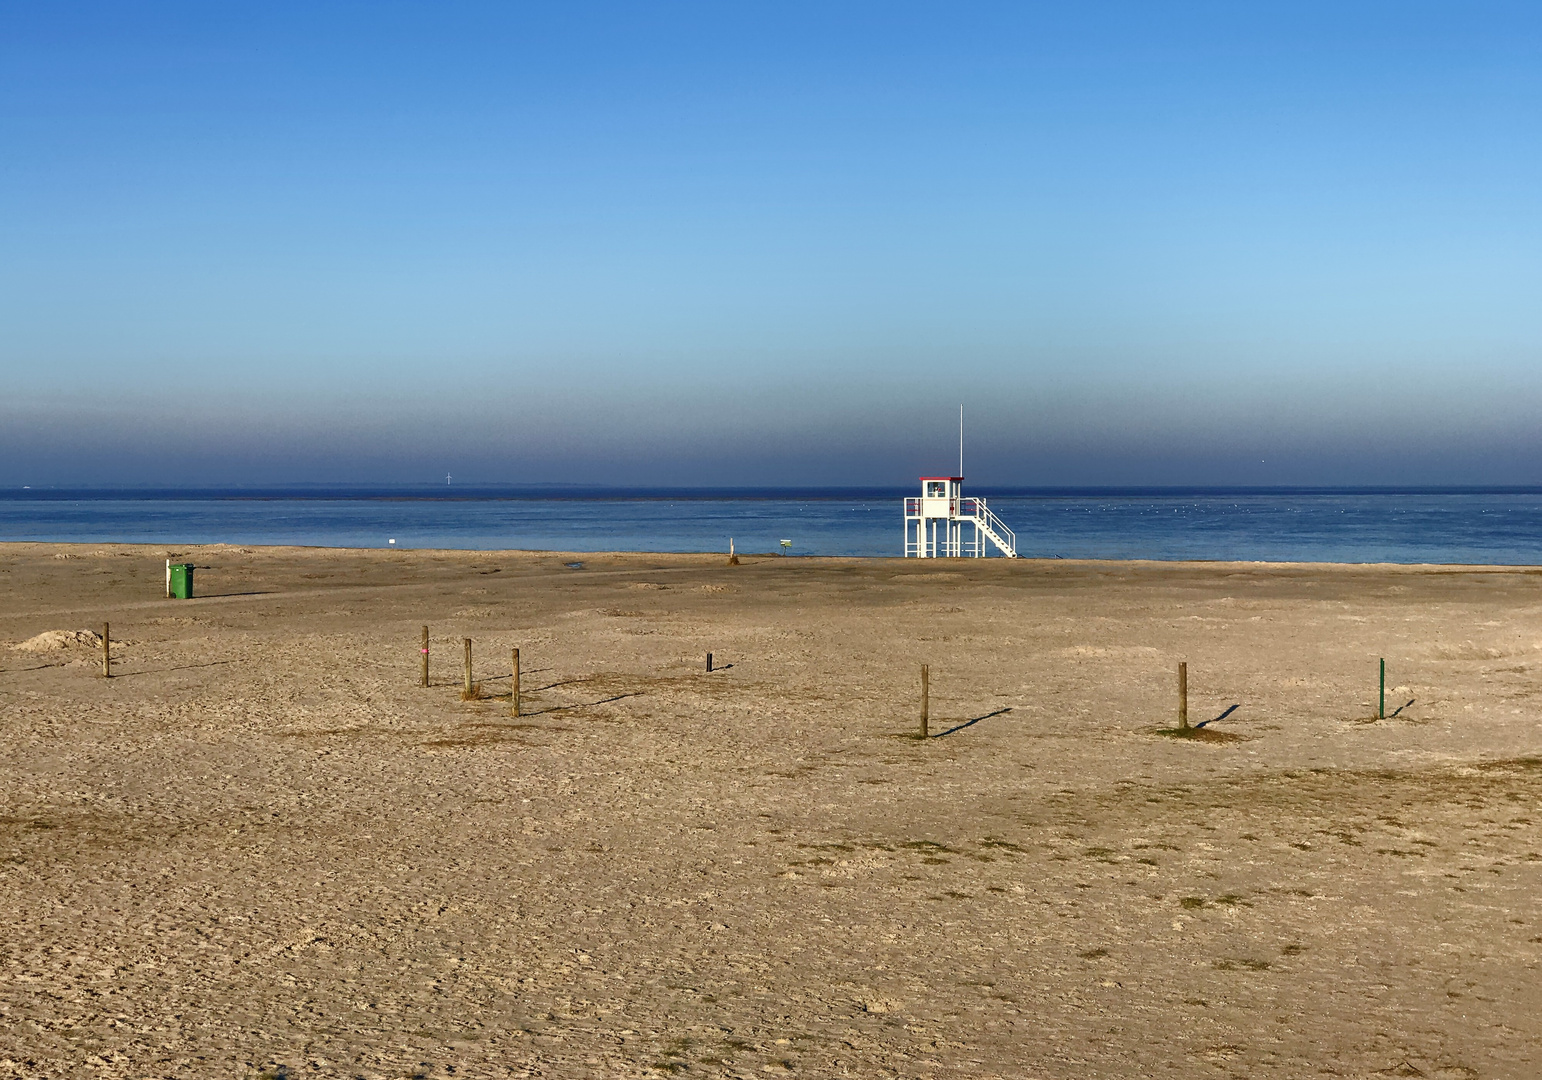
1381 704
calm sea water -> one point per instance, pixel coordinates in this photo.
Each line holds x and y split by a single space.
1433 526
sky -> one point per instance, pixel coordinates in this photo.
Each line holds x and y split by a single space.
770 243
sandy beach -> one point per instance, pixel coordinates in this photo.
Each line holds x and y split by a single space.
262 849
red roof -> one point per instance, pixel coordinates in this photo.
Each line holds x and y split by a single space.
960 479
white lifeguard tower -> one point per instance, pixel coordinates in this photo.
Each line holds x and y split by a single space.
942 509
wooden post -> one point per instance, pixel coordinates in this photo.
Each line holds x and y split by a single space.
466 642
1381 701
423 660
1183 695
106 654
926 698
514 694
709 661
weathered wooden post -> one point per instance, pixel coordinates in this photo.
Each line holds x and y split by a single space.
926 698
466 642
106 653
423 661
514 694
1183 695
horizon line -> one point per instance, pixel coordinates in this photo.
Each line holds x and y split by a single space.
443 492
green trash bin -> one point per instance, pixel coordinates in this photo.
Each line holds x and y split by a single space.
182 581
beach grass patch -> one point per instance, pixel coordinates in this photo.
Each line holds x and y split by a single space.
1243 964
930 847
1001 845
1198 734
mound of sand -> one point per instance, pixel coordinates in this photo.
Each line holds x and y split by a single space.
55 640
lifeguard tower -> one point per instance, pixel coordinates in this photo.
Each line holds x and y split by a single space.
934 523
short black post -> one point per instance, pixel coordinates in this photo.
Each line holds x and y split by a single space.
1381 703
709 661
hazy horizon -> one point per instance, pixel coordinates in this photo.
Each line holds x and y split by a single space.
1196 244
479 491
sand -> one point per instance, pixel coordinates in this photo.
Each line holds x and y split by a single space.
263 850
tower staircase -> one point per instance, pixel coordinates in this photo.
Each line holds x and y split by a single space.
989 526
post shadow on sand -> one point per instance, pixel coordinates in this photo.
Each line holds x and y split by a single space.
564 682
510 675
1229 710
971 723
160 670
579 705
536 671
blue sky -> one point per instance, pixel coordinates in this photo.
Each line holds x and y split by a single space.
1147 243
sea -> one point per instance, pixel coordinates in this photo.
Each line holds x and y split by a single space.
1364 525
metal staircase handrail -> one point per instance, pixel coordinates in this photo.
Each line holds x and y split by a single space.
993 527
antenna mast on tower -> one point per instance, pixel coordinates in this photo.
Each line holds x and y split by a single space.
934 522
